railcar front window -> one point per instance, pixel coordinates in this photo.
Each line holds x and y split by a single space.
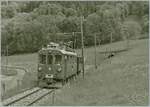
58 59
50 59
43 59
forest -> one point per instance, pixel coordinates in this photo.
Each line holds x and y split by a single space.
28 25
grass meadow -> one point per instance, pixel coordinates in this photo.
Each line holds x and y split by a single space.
120 80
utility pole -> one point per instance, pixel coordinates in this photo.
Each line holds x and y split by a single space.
73 36
110 42
127 40
76 38
75 41
82 45
6 54
99 42
56 39
95 51
111 38
7 2
6 50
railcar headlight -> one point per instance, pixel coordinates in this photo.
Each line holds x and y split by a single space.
49 76
40 68
52 76
58 64
49 69
59 69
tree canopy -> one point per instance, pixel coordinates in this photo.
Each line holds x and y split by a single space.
32 24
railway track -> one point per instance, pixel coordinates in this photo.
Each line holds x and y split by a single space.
27 98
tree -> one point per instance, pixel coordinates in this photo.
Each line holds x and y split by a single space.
70 12
110 22
70 24
29 25
8 11
145 23
123 10
133 29
139 8
22 35
48 9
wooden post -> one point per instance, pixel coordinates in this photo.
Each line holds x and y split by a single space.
82 45
99 43
111 38
95 51
6 57
53 97
127 41
18 83
110 43
73 35
75 42
3 87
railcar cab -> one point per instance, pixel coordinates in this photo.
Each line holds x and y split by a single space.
49 65
56 64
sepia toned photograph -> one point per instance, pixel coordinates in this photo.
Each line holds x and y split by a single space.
74 53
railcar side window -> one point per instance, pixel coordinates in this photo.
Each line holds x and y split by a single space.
58 59
81 60
68 58
50 59
71 59
42 59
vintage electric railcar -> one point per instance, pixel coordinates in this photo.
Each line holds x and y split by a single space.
57 64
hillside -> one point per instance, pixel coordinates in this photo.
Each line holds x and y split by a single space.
27 26
121 80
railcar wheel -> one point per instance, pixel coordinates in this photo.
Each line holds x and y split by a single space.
67 80
74 78
63 82
42 84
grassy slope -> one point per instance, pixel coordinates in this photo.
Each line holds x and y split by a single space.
28 61
121 80
25 60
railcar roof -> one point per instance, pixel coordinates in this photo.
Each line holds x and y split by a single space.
58 50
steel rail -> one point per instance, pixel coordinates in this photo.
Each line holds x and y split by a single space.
18 99
37 99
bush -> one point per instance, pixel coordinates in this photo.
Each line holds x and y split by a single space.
8 11
132 29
